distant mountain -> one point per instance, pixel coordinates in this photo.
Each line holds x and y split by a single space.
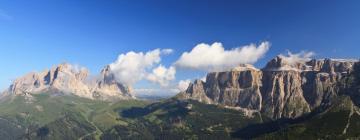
70 79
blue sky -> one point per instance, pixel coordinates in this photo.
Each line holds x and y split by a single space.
37 34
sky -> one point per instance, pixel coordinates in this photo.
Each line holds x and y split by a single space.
38 34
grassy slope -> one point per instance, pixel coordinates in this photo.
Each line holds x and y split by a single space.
65 117
69 117
172 120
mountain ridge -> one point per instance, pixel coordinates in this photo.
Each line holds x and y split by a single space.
282 89
71 79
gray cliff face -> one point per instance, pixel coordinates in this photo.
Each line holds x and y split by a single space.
283 95
196 91
322 84
239 87
319 88
282 89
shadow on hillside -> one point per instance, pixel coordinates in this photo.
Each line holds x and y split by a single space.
256 130
135 112
172 108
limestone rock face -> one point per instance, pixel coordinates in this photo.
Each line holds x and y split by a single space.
282 89
239 87
196 91
322 83
282 94
70 79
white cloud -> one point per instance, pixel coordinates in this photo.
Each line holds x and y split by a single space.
134 66
76 68
162 75
167 51
130 67
214 57
300 57
183 84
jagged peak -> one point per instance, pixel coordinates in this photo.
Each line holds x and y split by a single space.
106 69
72 79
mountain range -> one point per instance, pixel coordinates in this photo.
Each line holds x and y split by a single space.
287 99
70 79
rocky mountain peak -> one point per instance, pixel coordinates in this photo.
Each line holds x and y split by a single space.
197 92
284 88
71 79
277 62
196 87
64 67
337 65
106 75
108 84
106 70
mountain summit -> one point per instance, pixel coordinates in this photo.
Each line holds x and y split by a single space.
70 79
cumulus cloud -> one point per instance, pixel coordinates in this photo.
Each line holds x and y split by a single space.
183 84
134 66
214 57
162 75
300 57
131 67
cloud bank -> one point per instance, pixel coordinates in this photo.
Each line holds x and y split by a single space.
214 57
162 75
131 67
